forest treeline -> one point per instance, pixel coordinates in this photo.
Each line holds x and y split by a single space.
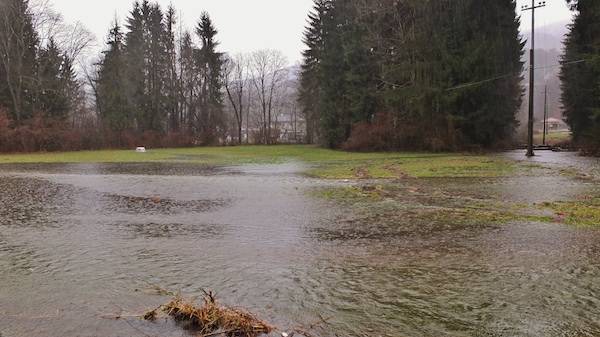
433 75
439 75
156 84
580 75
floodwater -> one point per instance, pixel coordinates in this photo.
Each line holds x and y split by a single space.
80 244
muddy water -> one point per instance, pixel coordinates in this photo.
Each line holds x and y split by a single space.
80 243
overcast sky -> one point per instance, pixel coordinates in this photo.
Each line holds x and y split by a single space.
245 25
555 11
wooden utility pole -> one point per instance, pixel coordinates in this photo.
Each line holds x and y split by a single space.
545 114
532 8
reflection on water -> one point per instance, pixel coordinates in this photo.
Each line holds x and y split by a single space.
80 242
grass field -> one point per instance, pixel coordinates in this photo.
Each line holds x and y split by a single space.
553 137
325 163
330 164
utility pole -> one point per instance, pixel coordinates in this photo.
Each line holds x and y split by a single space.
545 113
532 8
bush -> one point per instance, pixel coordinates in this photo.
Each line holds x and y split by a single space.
49 135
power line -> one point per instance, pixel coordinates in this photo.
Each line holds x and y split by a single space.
401 86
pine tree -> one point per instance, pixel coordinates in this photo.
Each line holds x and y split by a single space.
424 65
332 77
135 53
310 86
171 84
187 82
18 48
157 72
485 113
112 100
581 79
56 77
210 63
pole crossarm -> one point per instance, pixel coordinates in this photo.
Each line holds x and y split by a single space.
529 8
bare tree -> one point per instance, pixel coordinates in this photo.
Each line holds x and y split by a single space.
268 71
236 78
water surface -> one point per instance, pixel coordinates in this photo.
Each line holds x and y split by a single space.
79 243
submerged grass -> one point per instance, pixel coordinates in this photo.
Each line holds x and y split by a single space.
389 203
325 163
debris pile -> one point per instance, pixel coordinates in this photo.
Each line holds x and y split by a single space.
211 319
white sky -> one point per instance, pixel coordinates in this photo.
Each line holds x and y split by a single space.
243 25
246 25
555 11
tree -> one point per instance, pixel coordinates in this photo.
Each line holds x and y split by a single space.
209 64
268 72
187 82
235 72
310 88
56 82
423 67
580 74
148 65
18 47
484 114
172 81
112 98
333 98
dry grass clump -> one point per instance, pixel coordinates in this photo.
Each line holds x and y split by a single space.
211 319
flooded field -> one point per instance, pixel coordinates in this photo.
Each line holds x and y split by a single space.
80 243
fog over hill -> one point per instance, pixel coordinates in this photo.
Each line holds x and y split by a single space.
549 48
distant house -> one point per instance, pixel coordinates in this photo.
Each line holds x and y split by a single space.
292 129
555 124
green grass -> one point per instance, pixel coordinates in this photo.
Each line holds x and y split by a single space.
578 213
553 137
389 204
326 163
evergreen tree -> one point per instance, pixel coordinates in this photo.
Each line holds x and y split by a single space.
56 82
187 82
332 76
18 48
112 100
424 65
135 55
148 68
172 105
483 114
580 74
310 86
157 71
210 63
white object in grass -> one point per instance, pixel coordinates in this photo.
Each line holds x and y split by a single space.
140 149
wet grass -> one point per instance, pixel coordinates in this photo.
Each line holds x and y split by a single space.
554 137
325 163
411 206
583 212
425 166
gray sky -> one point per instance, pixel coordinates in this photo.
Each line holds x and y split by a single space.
555 11
246 25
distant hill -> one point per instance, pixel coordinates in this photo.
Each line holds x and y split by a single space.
548 37
549 48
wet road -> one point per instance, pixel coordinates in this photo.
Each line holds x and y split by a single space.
81 242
